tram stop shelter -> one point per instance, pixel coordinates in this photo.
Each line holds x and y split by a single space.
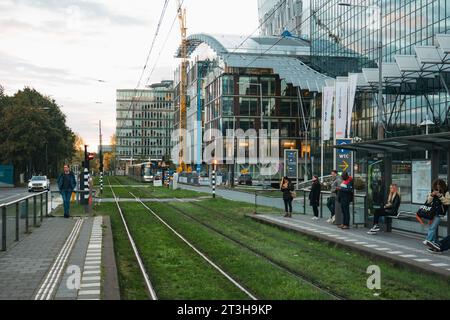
412 162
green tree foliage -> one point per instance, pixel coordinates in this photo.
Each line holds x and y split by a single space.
34 136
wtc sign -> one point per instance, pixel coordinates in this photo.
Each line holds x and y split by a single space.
344 158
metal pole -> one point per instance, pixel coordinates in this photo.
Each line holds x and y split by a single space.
17 221
4 229
27 206
34 212
380 79
214 181
42 208
46 204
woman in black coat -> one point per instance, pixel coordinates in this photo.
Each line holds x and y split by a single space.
287 188
314 197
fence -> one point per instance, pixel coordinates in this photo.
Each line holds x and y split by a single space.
16 216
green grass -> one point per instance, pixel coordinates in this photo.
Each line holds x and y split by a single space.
176 270
262 278
342 270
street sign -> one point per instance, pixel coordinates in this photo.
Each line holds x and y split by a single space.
344 158
291 163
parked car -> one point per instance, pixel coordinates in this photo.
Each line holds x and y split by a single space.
38 183
245 179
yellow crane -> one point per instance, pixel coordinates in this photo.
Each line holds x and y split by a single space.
183 84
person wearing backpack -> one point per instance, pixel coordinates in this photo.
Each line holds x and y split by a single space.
345 195
439 200
314 197
287 188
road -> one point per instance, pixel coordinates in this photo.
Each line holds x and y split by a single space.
12 194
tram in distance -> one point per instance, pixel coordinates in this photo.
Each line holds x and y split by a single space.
145 172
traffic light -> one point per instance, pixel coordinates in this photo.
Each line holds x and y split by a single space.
91 156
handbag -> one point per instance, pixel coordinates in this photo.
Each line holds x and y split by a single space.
293 194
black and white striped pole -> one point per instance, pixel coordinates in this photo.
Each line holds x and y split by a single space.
214 179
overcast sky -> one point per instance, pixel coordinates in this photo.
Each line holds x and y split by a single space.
63 47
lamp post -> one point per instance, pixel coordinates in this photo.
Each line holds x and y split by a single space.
380 132
426 124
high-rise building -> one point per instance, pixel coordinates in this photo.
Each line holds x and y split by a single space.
144 122
277 16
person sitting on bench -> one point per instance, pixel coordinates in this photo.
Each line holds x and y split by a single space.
389 210
439 247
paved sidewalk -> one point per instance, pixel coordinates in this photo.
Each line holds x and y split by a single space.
395 247
391 246
24 265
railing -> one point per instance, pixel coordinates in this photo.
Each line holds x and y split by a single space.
17 214
359 211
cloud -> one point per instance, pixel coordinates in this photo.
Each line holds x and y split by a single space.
76 9
16 68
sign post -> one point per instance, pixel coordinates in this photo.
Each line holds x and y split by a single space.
344 158
291 164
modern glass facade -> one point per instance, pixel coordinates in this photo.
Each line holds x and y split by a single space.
345 40
276 16
144 122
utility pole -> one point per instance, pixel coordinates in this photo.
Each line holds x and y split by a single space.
101 157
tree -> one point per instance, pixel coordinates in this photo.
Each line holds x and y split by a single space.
34 136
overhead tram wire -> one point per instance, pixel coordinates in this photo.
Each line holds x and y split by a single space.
165 43
277 42
134 100
258 28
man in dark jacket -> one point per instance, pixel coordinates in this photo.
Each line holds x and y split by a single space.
66 185
345 194
314 197
287 188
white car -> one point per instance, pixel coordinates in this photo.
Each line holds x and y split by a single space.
39 183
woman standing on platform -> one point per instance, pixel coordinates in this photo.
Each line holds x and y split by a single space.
314 197
287 188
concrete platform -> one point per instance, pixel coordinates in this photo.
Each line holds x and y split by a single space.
389 246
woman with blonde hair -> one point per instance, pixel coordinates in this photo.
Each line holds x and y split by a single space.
389 210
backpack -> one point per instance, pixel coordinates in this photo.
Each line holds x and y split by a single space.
430 210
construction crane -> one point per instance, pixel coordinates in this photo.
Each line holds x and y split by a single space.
183 85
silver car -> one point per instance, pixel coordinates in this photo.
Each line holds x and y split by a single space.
38 183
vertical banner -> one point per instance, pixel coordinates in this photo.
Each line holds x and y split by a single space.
340 112
327 109
352 83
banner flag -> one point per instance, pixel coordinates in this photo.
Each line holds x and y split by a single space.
327 109
352 83
340 111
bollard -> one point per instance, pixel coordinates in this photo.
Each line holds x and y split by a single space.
4 229
17 221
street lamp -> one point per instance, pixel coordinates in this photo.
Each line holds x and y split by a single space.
380 134
426 124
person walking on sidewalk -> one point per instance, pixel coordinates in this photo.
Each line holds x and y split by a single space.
314 197
390 209
336 181
345 194
287 188
66 185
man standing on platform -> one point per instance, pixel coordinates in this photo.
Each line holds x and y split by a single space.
66 185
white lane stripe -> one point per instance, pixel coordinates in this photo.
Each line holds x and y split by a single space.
383 249
91 278
408 256
91 267
198 252
88 292
90 285
91 272
440 265
351 240
361 243
423 260
58 264
370 245
395 252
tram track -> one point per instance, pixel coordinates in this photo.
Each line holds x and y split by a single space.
178 235
302 277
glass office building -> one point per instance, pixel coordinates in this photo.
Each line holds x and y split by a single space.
144 122
276 16
344 39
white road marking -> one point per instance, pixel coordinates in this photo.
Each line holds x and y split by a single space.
440 265
408 256
423 260
395 252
